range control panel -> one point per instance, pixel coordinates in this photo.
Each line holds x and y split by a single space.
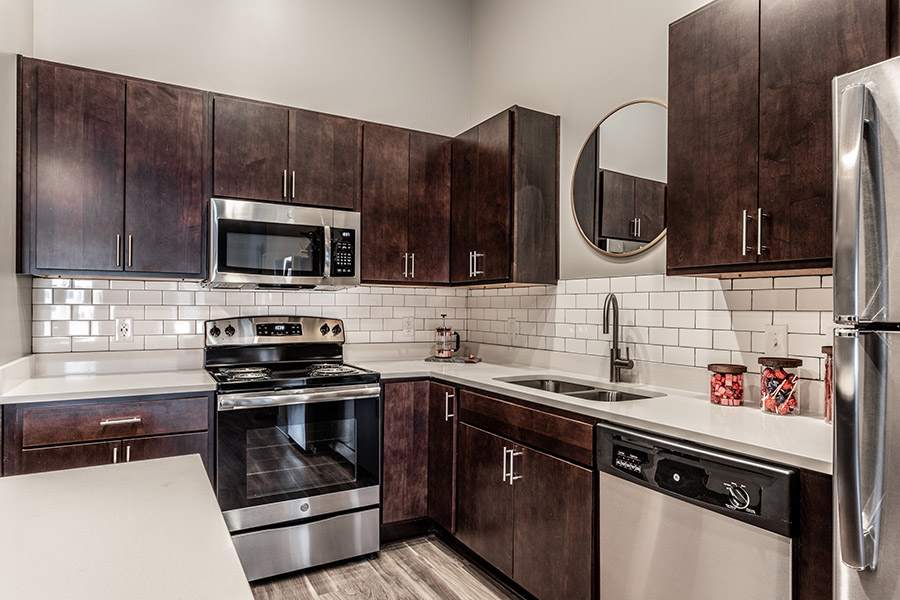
343 253
267 329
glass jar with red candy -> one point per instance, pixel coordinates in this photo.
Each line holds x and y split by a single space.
778 385
829 383
726 384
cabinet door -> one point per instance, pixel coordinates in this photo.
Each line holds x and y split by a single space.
553 526
650 208
385 203
429 207
405 453
80 169
167 445
442 455
56 458
484 508
463 206
617 205
493 203
325 160
250 149
164 178
804 44
713 137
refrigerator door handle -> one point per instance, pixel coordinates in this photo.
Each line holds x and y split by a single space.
848 179
858 463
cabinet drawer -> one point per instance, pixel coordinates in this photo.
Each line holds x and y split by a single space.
557 435
64 424
40 460
168 445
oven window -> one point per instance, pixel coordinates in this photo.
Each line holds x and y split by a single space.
282 453
271 249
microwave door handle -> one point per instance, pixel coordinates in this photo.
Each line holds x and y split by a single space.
287 266
327 273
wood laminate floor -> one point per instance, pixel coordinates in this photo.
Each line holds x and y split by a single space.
419 569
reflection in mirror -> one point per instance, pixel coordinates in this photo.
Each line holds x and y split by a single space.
619 185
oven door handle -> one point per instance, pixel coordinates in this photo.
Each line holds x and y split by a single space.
307 396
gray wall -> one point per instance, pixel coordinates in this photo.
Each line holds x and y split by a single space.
15 291
578 59
403 62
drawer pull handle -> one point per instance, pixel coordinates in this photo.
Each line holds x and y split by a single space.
125 421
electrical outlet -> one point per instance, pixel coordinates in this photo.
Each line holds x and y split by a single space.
511 326
409 327
124 329
776 340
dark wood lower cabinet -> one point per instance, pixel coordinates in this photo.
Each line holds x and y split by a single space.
484 509
56 458
167 445
405 452
442 425
554 507
813 552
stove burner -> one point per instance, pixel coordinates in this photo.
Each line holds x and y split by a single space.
245 373
326 370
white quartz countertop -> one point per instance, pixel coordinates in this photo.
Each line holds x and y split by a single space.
143 530
799 441
108 385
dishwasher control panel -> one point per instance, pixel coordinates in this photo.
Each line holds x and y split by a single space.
743 488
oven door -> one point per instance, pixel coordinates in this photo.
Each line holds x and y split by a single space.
291 456
254 244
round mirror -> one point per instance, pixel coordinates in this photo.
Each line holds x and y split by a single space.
619 184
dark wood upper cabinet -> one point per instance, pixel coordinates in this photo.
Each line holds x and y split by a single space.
250 149
405 206
505 200
484 510
649 208
713 132
164 133
405 452
804 44
325 160
78 148
750 130
442 424
617 205
429 207
385 204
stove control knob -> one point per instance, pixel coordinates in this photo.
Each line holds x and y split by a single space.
229 331
324 329
336 330
215 331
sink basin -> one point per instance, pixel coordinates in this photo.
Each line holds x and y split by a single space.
554 385
601 395
583 390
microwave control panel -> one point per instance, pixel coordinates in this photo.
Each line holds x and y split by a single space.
343 253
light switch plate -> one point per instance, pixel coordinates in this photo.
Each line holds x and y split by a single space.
776 340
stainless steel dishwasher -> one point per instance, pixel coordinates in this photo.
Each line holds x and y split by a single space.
681 522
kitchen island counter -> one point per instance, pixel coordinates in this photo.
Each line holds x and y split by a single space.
142 530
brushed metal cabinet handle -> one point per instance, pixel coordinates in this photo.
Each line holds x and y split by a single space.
505 450
447 414
125 421
405 264
760 215
512 469
284 184
476 272
293 184
413 262
118 250
115 454
130 245
744 247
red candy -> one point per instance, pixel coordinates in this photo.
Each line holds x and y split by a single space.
726 389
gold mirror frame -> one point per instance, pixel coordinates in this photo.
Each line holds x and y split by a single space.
593 246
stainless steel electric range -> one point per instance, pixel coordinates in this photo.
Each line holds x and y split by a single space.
297 442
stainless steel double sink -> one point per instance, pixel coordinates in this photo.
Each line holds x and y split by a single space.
574 388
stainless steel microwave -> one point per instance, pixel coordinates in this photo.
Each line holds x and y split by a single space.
261 245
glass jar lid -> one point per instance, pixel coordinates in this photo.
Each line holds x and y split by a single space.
727 369
782 362
827 350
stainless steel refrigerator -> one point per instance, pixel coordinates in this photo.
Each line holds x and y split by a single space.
867 338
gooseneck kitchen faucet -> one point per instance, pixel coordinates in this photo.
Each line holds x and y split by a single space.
616 362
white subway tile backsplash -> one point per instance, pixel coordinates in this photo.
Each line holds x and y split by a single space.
677 320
